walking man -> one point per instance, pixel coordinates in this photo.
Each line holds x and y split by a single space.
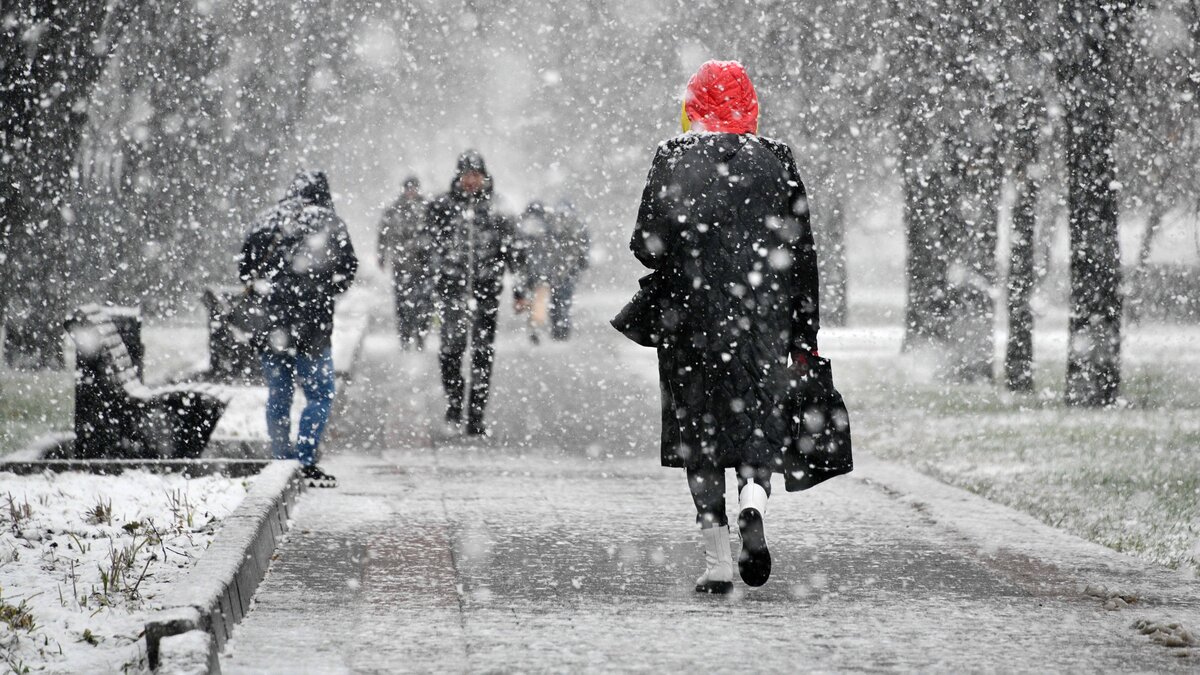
295 261
473 245
405 243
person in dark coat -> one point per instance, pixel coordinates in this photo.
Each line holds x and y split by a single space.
405 244
554 246
473 246
724 218
296 260
536 243
572 245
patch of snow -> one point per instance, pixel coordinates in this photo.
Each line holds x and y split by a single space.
88 557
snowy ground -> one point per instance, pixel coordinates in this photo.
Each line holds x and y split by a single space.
33 404
1128 478
561 545
86 559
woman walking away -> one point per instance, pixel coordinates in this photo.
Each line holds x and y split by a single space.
724 223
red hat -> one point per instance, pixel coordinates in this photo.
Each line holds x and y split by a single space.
721 98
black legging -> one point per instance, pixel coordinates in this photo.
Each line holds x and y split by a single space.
708 490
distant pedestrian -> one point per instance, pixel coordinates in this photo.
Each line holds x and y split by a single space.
297 259
724 223
554 247
406 244
473 246
536 244
572 246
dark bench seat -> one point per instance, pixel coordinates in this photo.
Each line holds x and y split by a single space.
118 415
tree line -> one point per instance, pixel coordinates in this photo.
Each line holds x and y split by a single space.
140 138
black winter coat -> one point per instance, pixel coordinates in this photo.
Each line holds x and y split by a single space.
724 217
300 257
472 244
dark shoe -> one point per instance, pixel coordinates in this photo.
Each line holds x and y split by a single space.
714 587
477 428
754 562
454 415
534 339
315 477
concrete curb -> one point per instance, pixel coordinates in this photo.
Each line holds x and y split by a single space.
216 593
235 468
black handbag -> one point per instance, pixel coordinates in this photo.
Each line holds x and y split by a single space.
819 423
641 320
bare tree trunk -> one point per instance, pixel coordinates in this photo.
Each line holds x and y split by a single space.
970 238
1158 211
1094 351
925 264
1141 272
832 260
1022 275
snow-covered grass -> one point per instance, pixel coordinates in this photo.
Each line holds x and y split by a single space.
86 559
33 404
1127 477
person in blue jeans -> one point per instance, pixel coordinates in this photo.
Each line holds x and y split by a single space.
296 260
315 374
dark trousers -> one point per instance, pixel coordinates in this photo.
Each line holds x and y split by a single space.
414 302
561 297
708 491
462 323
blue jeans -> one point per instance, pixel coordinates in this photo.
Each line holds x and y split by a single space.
316 379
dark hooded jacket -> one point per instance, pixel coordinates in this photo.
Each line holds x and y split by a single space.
724 220
298 256
472 243
403 238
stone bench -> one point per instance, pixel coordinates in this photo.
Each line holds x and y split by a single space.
116 413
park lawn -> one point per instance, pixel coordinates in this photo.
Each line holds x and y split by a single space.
33 404
1127 477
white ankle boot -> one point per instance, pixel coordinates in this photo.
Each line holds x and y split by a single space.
754 562
753 496
718 561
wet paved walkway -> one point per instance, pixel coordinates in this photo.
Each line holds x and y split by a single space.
560 545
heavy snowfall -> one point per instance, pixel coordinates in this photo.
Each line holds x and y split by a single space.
361 336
